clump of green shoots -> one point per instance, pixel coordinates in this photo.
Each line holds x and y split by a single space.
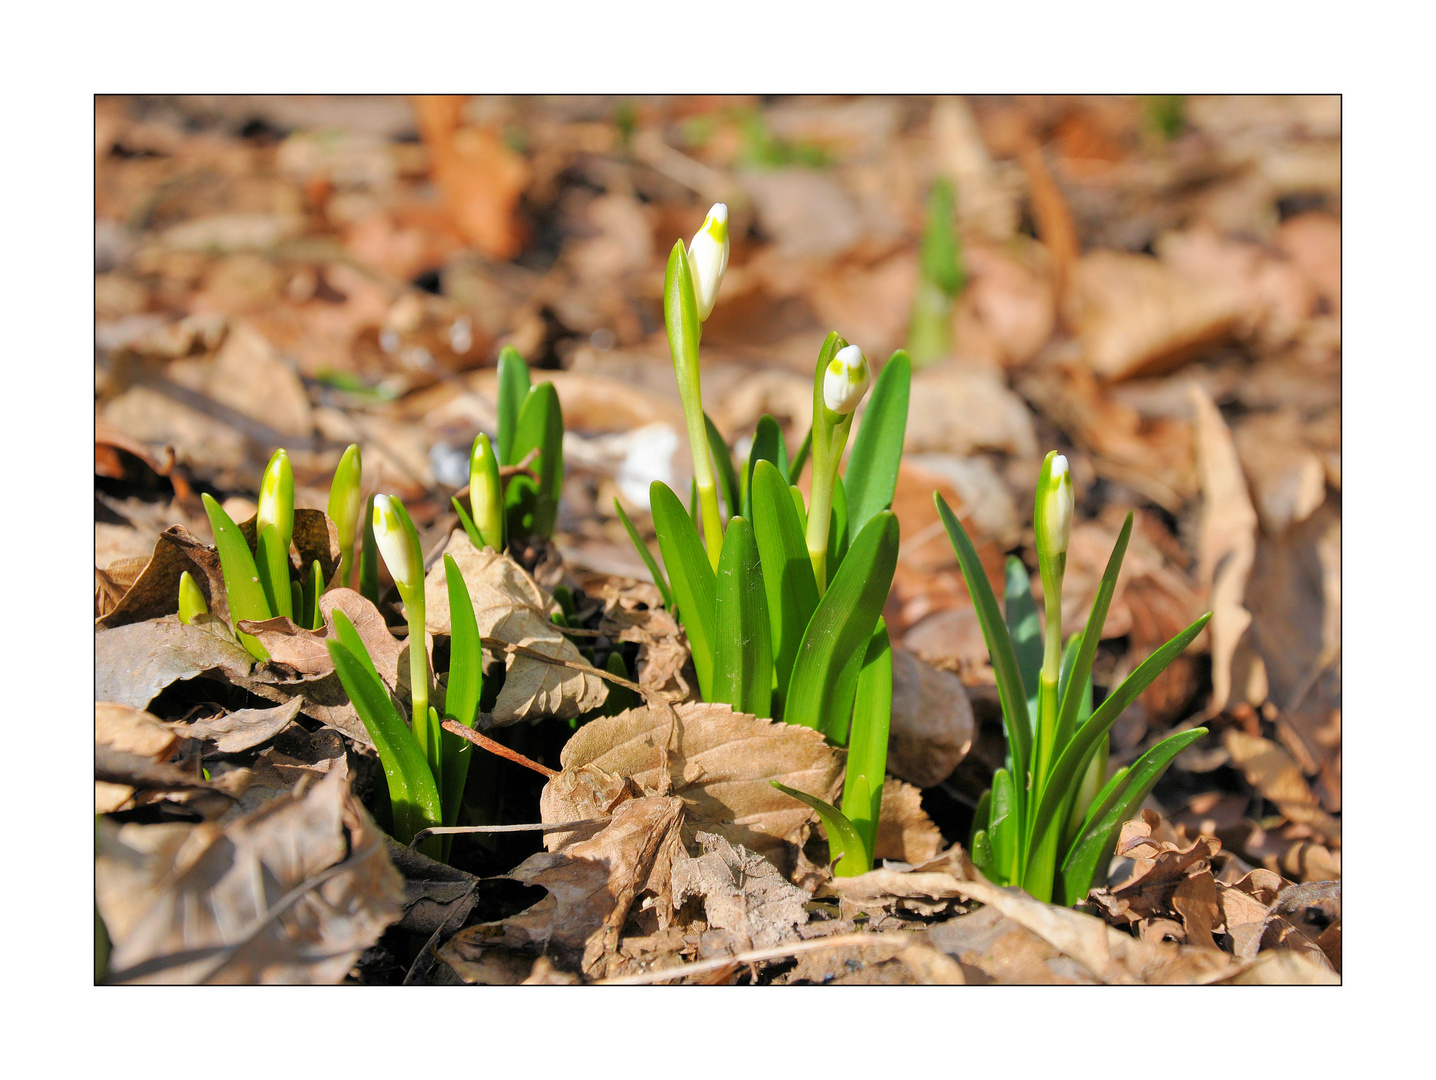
261 582
529 454
1051 819
782 606
941 277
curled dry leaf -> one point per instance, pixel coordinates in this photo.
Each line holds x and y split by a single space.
718 762
129 744
289 893
1271 770
905 832
243 729
662 647
1227 544
511 608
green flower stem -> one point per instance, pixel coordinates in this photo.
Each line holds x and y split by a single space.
830 436
419 681
680 310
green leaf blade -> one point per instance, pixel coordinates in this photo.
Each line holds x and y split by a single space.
691 576
871 475
844 843
743 655
1067 770
654 570
825 670
1095 846
787 571
868 741
513 389
723 463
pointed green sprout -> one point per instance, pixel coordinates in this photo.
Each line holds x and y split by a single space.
398 543
346 498
839 383
369 558
486 527
191 600
690 289
1052 815
242 587
273 529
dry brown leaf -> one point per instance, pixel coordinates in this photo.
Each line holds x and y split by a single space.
510 606
135 661
1171 893
961 409
905 832
1106 953
1271 770
719 763
1227 546
932 727
1138 315
1288 479
741 893
480 177
133 733
592 884
243 729
662 647
289 893
989 948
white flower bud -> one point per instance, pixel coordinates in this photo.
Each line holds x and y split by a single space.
846 380
398 544
708 258
276 497
1057 521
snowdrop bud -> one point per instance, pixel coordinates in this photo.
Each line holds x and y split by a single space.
846 380
276 497
1057 520
708 258
399 545
486 492
345 496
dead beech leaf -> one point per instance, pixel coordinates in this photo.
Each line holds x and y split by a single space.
124 733
1288 479
1227 545
932 726
1271 770
719 763
135 661
1108 954
510 607
289 893
662 648
1138 315
742 893
905 832
243 729
591 886
1171 887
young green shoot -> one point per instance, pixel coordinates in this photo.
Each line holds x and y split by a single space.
273 529
346 499
191 600
486 525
